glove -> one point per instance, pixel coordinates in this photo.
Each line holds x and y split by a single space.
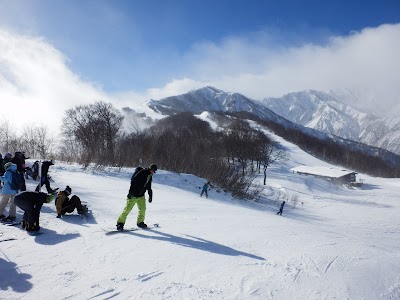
129 196
150 199
58 216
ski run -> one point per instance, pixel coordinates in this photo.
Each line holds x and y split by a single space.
337 243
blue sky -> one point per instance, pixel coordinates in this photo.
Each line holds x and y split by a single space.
127 44
127 49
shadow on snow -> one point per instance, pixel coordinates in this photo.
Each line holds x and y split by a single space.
12 277
196 243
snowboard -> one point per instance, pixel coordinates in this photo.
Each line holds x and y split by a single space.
86 214
34 233
11 223
8 239
12 238
126 230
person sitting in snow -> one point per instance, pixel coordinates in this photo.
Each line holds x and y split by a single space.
31 203
139 184
66 205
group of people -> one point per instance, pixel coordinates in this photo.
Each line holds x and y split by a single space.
31 202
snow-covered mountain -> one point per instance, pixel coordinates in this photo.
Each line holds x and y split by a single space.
327 113
212 99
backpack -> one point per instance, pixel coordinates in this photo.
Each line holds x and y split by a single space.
137 170
17 180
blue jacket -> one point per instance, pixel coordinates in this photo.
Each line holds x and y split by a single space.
7 178
205 187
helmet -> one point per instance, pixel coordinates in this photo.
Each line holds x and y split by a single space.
153 167
50 197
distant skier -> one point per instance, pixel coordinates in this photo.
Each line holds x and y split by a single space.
139 184
205 189
281 208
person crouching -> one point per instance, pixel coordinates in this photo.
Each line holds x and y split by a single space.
31 203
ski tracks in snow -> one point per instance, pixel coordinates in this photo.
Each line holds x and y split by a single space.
328 266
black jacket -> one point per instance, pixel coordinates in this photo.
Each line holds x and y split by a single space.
34 197
140 183
45 167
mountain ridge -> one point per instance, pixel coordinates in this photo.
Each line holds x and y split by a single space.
326 113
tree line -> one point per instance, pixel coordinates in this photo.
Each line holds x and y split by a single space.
229 157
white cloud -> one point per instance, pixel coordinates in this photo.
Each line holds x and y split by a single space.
36 85
366 62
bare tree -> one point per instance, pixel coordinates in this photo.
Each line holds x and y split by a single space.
8 136
271 153
95 127
44 142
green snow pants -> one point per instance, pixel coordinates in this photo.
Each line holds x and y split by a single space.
130 203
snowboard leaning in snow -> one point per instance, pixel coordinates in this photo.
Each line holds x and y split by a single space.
111 231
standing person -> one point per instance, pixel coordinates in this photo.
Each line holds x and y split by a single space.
31 203
8 193
1 167
7 158
19 160
65 205
281 208
45 178
139 184
205 189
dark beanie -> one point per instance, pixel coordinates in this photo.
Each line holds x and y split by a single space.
68 190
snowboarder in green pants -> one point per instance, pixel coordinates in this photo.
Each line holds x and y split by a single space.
140 183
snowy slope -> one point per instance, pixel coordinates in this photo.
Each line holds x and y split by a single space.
342 244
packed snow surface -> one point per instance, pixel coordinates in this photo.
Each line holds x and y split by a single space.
337 243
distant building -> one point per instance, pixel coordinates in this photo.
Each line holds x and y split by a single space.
338 176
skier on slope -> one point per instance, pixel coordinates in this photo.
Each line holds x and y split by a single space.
205 189
281 208
140 182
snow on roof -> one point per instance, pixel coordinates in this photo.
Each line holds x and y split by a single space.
321 171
